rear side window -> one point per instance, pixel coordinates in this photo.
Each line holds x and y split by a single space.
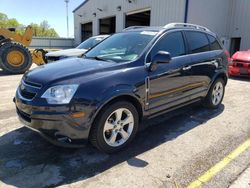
197 42
214 44
172 43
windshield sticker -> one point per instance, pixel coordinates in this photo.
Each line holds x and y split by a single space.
148 33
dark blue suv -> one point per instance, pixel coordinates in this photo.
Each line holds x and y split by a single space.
137 74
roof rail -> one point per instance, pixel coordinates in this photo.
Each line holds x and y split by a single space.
133 27
185 25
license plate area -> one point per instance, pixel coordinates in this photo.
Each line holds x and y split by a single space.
243 71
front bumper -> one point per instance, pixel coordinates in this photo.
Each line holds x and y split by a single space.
237 71
54 123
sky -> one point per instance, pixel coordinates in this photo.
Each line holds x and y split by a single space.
35 11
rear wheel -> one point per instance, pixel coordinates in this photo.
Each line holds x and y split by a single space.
215 94
14 58
115 127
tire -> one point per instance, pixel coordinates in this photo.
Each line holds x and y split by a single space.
215 94
19 66
102 131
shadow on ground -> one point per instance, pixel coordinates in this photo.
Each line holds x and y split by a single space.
246 79
2 73
26 160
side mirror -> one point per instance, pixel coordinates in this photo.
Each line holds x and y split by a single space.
159 58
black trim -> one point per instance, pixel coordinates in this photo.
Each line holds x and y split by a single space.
186 11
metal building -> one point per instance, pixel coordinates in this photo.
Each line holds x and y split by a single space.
230 19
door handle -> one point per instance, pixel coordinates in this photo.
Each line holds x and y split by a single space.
186 68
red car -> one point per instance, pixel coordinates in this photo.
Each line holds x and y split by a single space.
240 65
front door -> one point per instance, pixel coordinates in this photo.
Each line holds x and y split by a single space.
169 84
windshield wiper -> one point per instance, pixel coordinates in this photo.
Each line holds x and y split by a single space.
100 59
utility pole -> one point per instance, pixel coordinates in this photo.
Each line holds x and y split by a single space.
67 17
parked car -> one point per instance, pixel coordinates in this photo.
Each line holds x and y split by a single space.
129 77
75 52
240 65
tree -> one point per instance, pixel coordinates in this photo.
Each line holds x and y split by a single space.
13 23
3 16
41 30
3 20
45 25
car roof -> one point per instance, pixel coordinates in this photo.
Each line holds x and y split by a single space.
101 36
171 26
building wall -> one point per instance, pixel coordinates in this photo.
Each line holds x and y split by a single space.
162 12
227 18
240 22
213 14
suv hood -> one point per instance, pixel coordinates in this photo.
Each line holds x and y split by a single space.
67 69
68 53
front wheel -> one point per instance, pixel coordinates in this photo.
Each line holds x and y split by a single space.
115 126
215 94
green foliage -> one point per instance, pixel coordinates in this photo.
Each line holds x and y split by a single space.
39 30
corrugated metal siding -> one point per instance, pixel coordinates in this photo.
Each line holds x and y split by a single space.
227 18
162 12
212 14
240 22
61 43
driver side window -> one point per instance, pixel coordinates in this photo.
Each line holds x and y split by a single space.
172 43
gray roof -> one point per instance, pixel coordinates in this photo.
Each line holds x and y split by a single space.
83 3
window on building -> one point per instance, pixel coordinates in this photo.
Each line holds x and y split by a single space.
86 31
172 43
197 42
214 44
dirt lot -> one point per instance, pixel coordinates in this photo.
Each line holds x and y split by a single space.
173 152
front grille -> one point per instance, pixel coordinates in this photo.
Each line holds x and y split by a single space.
239 65
32 84
27 95
23 115
28 90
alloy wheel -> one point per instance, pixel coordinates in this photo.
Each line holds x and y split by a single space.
217 93
118 127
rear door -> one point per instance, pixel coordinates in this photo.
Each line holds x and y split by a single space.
218 55
202 65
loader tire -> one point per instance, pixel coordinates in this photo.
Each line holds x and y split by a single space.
14 58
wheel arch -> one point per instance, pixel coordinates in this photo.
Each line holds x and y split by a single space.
222 75
122 97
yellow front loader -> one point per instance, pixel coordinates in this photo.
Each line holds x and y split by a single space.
15 57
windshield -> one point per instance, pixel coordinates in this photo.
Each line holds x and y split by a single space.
89 43
122 47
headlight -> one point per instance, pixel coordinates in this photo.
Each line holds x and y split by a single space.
61 94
